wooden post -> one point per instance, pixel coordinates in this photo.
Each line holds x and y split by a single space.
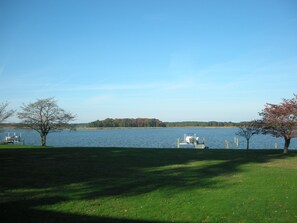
236 142
227 144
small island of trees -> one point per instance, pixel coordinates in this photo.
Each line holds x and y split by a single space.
127 122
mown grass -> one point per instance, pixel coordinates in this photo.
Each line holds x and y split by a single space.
146 185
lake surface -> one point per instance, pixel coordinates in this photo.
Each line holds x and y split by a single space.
147 138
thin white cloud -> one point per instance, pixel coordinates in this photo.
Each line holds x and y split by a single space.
99 99
58 87
138 86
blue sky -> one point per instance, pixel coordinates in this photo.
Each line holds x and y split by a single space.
173 60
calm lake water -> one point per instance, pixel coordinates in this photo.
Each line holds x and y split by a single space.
147 138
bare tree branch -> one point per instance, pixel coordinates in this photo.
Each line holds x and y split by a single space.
4 113
247 132
45 116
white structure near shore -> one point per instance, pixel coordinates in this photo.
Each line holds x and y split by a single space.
191 141
13 139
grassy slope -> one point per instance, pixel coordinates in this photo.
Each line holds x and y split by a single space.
147 185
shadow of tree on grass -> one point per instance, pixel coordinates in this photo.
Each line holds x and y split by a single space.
98 172
27 211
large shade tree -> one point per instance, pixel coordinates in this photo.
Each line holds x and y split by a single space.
5 113
280 120
45 116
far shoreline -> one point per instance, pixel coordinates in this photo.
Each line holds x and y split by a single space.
112 128
178 127
74 127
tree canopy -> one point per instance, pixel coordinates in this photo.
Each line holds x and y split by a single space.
280 120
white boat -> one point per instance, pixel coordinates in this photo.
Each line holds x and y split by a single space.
191 141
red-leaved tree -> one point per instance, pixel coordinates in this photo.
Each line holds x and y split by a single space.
280 120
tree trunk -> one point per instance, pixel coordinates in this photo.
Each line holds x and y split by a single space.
287 144
43 139
247 144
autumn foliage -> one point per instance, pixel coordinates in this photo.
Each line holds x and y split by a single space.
280 120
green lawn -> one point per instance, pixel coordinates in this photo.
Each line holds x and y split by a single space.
146 185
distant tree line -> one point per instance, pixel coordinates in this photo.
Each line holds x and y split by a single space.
147 122
127 122
205 124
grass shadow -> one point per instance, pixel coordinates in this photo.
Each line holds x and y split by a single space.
91 173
